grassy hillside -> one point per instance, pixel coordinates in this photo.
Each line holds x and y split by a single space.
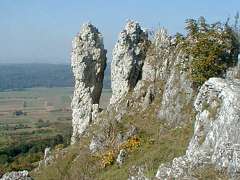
157 143
30 121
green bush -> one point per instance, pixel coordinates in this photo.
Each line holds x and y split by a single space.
213 48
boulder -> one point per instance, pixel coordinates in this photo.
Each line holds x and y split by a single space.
121 157
16 175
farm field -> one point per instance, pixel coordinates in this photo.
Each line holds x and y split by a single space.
32 119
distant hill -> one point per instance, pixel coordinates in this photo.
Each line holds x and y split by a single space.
20 76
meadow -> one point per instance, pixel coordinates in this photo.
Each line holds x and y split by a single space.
33 119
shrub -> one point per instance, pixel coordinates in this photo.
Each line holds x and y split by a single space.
132 144
108 158
213 48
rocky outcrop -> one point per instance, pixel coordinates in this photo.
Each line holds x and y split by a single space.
159 58
216 138
16 175
233 72
165 76
121 157
178 95
47 158
88 62
152 82
128 58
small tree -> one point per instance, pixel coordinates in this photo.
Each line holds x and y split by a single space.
213 47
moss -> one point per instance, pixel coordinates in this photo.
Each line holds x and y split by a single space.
205 106
202 139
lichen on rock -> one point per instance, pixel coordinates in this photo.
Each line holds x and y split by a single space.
16 175
216 136
128 58
88 62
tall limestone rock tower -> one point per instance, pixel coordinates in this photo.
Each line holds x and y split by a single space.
88 60
128 57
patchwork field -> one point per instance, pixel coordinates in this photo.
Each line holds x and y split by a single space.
37 116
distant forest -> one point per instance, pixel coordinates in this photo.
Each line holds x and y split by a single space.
20 76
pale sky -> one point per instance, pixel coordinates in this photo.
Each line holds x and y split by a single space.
40 31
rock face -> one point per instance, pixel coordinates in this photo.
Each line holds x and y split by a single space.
88 62
159 58
178 94
216 138
163 73
19 175
128 58
233 72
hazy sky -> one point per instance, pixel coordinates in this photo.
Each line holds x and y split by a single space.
41 30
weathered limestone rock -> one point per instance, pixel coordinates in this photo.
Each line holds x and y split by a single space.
48 158
178 93
128 57
164 70
97 143
137 173
159 59
233 72
88 63
177 98
217 127
16 175
121 157
216 138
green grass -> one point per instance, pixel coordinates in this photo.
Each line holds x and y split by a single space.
158 144
209 172
49 106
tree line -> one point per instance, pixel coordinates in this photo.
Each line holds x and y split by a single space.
20 76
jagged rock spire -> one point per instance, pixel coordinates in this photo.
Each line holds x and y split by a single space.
128 56
88 60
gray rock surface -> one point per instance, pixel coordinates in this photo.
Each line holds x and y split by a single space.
88 62
137 173
128 58
177 98
16 175
216 138
121 157
164 71
178 93
47 159
159 59
233 72
97 143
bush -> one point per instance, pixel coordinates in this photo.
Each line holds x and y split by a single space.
108 158
213 48
131 144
